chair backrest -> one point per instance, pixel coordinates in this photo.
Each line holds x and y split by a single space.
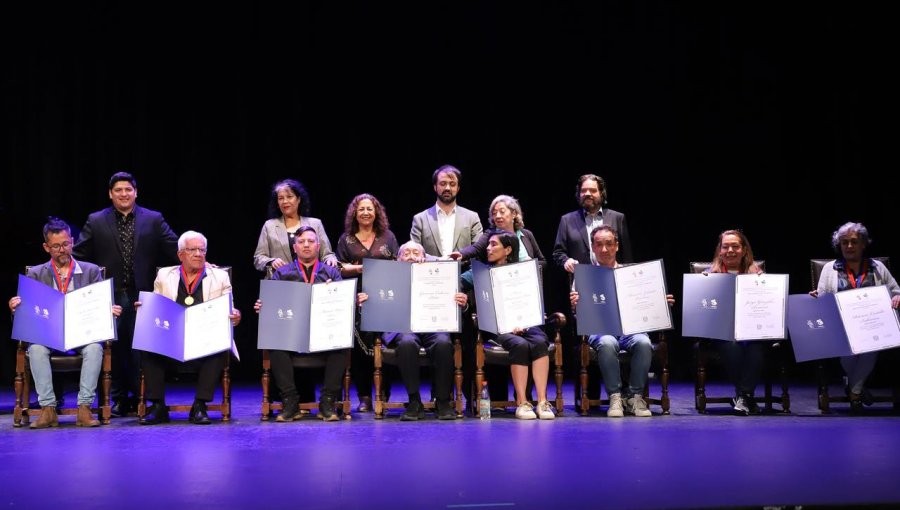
700 267
816 265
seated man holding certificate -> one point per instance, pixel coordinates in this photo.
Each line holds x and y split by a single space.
439 348
306 269
605 245
525 346
188 284
744 360
854 270
64 274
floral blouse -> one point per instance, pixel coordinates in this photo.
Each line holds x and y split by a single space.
351 251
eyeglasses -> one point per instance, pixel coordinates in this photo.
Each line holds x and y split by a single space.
198 251
59 246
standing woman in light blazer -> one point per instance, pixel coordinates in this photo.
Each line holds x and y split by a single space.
288 210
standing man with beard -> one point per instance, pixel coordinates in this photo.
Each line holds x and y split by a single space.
572 245
445 227
130 242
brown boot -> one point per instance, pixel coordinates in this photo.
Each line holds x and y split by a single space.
47 418
85 418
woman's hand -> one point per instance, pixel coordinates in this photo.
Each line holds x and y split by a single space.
235 317
257 306
573 297
116 310
277 263
13 303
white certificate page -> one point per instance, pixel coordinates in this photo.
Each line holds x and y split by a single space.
517 296
760 306
207 328
433 298
641 290
870 322
89 315
331 316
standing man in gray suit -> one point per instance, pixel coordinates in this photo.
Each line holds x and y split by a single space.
445 227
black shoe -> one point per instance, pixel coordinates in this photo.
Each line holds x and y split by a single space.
198 414
414 411
158 413
867 397
750 402
365 405
290 410
445 411
123 407
326 409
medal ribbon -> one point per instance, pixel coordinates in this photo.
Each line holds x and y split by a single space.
315 268
64 286
191 287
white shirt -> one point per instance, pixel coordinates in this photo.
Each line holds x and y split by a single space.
446 229
592 221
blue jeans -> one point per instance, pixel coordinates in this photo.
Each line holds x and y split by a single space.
608 347
858 369
92 357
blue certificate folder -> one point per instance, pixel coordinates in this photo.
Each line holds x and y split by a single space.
284 320
708 306
41 317
484 295
598 307
160 327
816 327
389 286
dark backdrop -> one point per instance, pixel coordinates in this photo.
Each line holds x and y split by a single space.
702 117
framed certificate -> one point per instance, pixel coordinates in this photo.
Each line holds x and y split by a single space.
843 324
306 318
409 297
64 321
183 333
622 301
508 296
726 306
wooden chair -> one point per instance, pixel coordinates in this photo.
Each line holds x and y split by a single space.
383 354
825 368
494 354
588 356
303 361
60 363
776 360
186 368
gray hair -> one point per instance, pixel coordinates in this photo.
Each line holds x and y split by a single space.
513 205
847 229
409 245
190 234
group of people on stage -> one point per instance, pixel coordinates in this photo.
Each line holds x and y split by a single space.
130 242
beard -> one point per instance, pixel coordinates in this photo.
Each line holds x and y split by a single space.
447 198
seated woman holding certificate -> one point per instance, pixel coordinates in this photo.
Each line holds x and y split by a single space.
743 360
189 284
366 235
525 346
306 269
851 271
605 245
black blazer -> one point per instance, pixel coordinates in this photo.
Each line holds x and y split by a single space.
572 237
155 245
479 248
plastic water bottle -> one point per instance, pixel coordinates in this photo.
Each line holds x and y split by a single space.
484 402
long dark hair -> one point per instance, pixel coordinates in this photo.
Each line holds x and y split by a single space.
297 189
507 240
351 224
747 262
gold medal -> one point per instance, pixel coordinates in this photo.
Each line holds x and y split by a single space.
189 300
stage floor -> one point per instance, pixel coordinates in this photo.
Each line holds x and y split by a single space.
684 460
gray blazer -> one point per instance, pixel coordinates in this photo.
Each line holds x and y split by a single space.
84 275
425 230
273 242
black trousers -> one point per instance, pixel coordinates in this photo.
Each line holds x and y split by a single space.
439 348
209 374
125 361
283 372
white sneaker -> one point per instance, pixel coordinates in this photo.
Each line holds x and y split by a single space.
525 411
615 406
637 406
545 411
